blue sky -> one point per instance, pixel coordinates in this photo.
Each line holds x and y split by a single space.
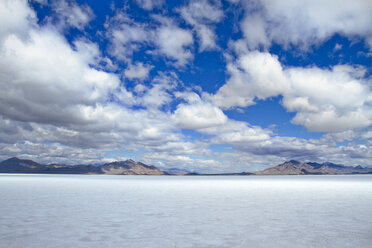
207 86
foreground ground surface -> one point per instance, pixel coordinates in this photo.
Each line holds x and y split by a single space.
165 211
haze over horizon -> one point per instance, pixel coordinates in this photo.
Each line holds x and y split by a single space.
206 85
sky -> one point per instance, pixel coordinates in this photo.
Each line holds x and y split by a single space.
199 85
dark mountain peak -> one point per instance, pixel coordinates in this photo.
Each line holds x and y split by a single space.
127 167
175 170
117 164
329 164
125 163
13 159
315 165
295 162
130 167
16 165
145 165
325 164
128 162
293 167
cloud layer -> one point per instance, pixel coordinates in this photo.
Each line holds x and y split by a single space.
303 23
325 100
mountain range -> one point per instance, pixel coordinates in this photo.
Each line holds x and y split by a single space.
294 167
131 167
128 167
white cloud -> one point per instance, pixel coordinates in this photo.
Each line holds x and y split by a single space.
150 4
138 71
329 100
160 93
73 15
326 100
184 162
188 96
126 36
254 31
198 115
236 132
279 149
201 115
162 38
369 42
51 93
44 73
253 75
303 22
202 15
367 135
16 18
203 11
335 138
68 13
207 38
174 43
51 153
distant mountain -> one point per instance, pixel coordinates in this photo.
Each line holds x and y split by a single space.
294 167
16 165
177 171
128 167
131 167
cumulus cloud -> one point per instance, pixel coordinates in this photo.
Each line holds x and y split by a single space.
198 115
286 148
335 138
236 132
31 76
68 14
160 92
74 15
174 42
367 135
253 75
325 100
205 117
52 153
254 30
202 15
138 71
186 163
303 22
163 38
150 4
18 18
126 36
329 100
52 93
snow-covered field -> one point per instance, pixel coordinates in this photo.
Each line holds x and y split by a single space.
188 211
